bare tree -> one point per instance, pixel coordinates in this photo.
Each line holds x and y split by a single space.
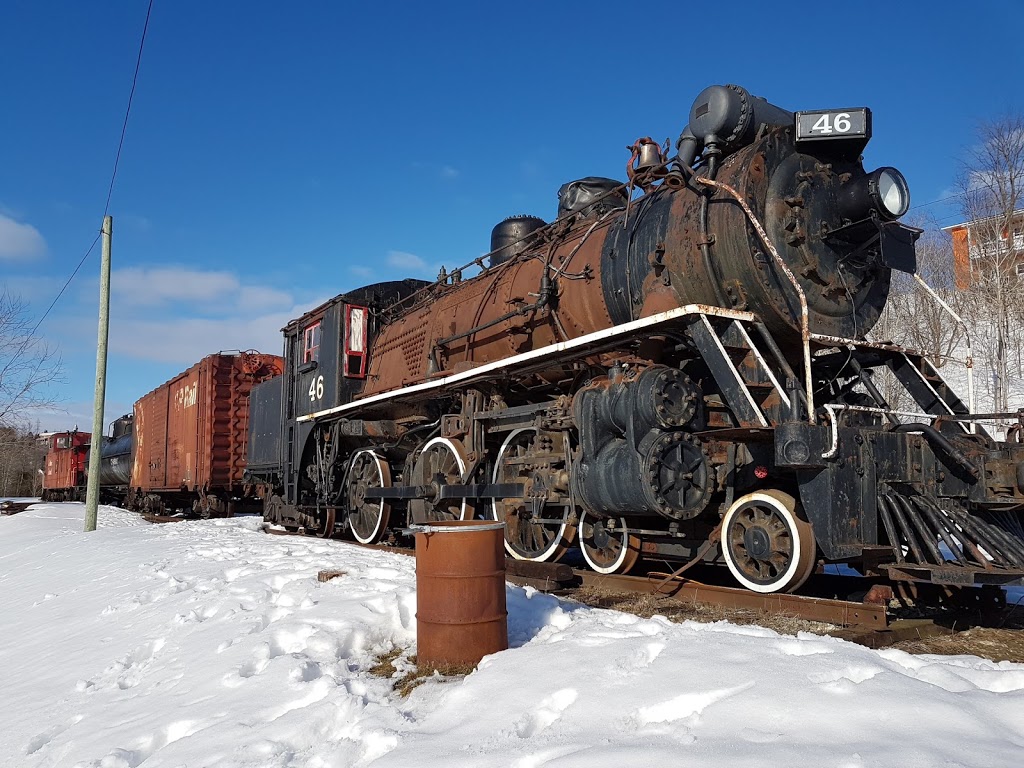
914 319
21 462
27 365
919 321
991 182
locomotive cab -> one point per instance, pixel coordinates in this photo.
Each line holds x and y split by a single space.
327 353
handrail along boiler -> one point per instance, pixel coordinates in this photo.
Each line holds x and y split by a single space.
674 367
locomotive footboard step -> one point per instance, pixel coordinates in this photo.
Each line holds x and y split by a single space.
674 367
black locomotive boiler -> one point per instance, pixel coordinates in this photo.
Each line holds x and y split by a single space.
675 367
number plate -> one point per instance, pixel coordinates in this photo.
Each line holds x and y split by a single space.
833 124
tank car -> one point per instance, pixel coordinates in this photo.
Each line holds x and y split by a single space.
675 367
67 464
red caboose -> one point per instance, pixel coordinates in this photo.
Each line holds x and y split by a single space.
67 467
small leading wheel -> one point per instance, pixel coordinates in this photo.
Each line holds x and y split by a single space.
368 517
441 462
767 543
607 544
540 534
324 522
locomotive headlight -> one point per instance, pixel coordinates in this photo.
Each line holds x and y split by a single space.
889 192
884 191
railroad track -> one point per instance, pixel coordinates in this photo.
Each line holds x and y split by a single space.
14 507
868 621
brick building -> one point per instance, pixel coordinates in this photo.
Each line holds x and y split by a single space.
978 246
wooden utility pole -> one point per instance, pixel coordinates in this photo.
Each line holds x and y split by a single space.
92 494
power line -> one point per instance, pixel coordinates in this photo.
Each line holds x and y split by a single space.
131 95
113 176
61 292
941 200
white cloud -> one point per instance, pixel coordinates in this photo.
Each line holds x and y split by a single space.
77 415
37 290
186 340
143 285
448 172
19 241
216 292
360 271
406 261
178 314
261 297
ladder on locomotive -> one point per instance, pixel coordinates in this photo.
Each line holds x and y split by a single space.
922 380
749 368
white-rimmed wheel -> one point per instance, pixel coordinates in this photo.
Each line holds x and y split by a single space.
441 462
767 543
368 518
607 544
533 531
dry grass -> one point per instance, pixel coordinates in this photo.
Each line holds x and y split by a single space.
989 643
647 605
997 644
385 666
406 675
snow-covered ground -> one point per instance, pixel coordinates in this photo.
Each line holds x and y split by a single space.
210 643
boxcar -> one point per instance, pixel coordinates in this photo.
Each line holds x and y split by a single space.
191 433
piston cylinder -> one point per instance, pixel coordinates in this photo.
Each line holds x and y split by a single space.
460 593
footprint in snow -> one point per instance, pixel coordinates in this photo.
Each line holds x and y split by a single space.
43 738
306 672
137 662
637 659
546 713
850 674
685 705
196 615
759 737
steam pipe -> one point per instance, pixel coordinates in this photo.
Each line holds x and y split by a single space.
934 436
890 528
928 536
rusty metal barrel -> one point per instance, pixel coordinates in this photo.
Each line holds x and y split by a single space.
460 593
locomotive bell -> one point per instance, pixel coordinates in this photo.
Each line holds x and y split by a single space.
649 155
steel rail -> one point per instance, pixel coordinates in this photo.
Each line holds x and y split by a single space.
839 612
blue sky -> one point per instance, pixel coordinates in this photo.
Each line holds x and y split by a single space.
280 153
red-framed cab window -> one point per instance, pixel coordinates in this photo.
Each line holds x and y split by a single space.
311 343
357 321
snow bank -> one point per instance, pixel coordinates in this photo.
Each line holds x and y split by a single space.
210 643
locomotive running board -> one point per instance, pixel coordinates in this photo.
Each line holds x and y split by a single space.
578 347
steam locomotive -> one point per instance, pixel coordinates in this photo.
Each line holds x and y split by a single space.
676 367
